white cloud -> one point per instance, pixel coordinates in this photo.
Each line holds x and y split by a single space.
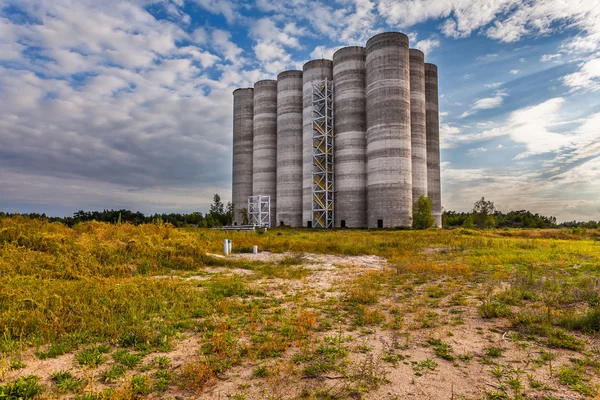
141 118
550 57
323 52
265 30
487 57
534 129
514 71
427 45
587 78
199 35
350 22
486 103
222 43
222 7
448 135
493 85
504 20
477 150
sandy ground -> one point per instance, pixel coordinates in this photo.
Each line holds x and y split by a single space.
456 379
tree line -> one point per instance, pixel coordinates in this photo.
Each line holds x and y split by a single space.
483 215
219 215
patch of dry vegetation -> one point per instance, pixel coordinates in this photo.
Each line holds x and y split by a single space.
121 311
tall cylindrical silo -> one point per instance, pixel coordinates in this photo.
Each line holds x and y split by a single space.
389 169
350 137
315 70
264 165
433 142
417 123
243 131
289 148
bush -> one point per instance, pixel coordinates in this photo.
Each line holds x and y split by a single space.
25 387
422 217
494 309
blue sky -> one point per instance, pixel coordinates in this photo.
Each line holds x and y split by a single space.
110 104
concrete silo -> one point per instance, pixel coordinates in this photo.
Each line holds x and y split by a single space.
389 169
243 123
264 164
433 142
313 71
350 137
289 148
352 142
417 123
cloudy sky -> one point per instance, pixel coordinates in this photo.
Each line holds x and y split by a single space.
111 104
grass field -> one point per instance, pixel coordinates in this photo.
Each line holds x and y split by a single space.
104 311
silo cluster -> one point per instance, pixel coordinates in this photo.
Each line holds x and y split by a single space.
350 142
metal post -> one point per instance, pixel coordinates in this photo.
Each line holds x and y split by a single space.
225 246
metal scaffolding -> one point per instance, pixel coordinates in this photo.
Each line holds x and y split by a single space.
322 166
259 211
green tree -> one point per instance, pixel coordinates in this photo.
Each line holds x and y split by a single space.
422 217
483 214
217 208
230 213
468 223
244 214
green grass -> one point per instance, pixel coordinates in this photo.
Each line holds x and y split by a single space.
127 359
113 373
25 387
442 349
493 351
66 382
100 292
574 379
92 357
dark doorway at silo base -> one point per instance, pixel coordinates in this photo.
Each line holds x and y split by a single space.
380 223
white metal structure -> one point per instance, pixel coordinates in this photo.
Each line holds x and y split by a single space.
259 211
322 168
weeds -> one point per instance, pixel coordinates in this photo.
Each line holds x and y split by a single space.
65 382
92 357
144 289
25 387
128 360
113 374
442 349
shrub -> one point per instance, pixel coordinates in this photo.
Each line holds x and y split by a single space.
422 216
25 387
494 309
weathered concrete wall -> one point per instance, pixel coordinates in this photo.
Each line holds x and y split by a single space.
289 148
243 131
389 165
350 131
417 123
315 70
264 164
433 142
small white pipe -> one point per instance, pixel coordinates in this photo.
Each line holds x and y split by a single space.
255 249
225 246
229 246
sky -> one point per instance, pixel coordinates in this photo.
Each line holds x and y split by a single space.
128 104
